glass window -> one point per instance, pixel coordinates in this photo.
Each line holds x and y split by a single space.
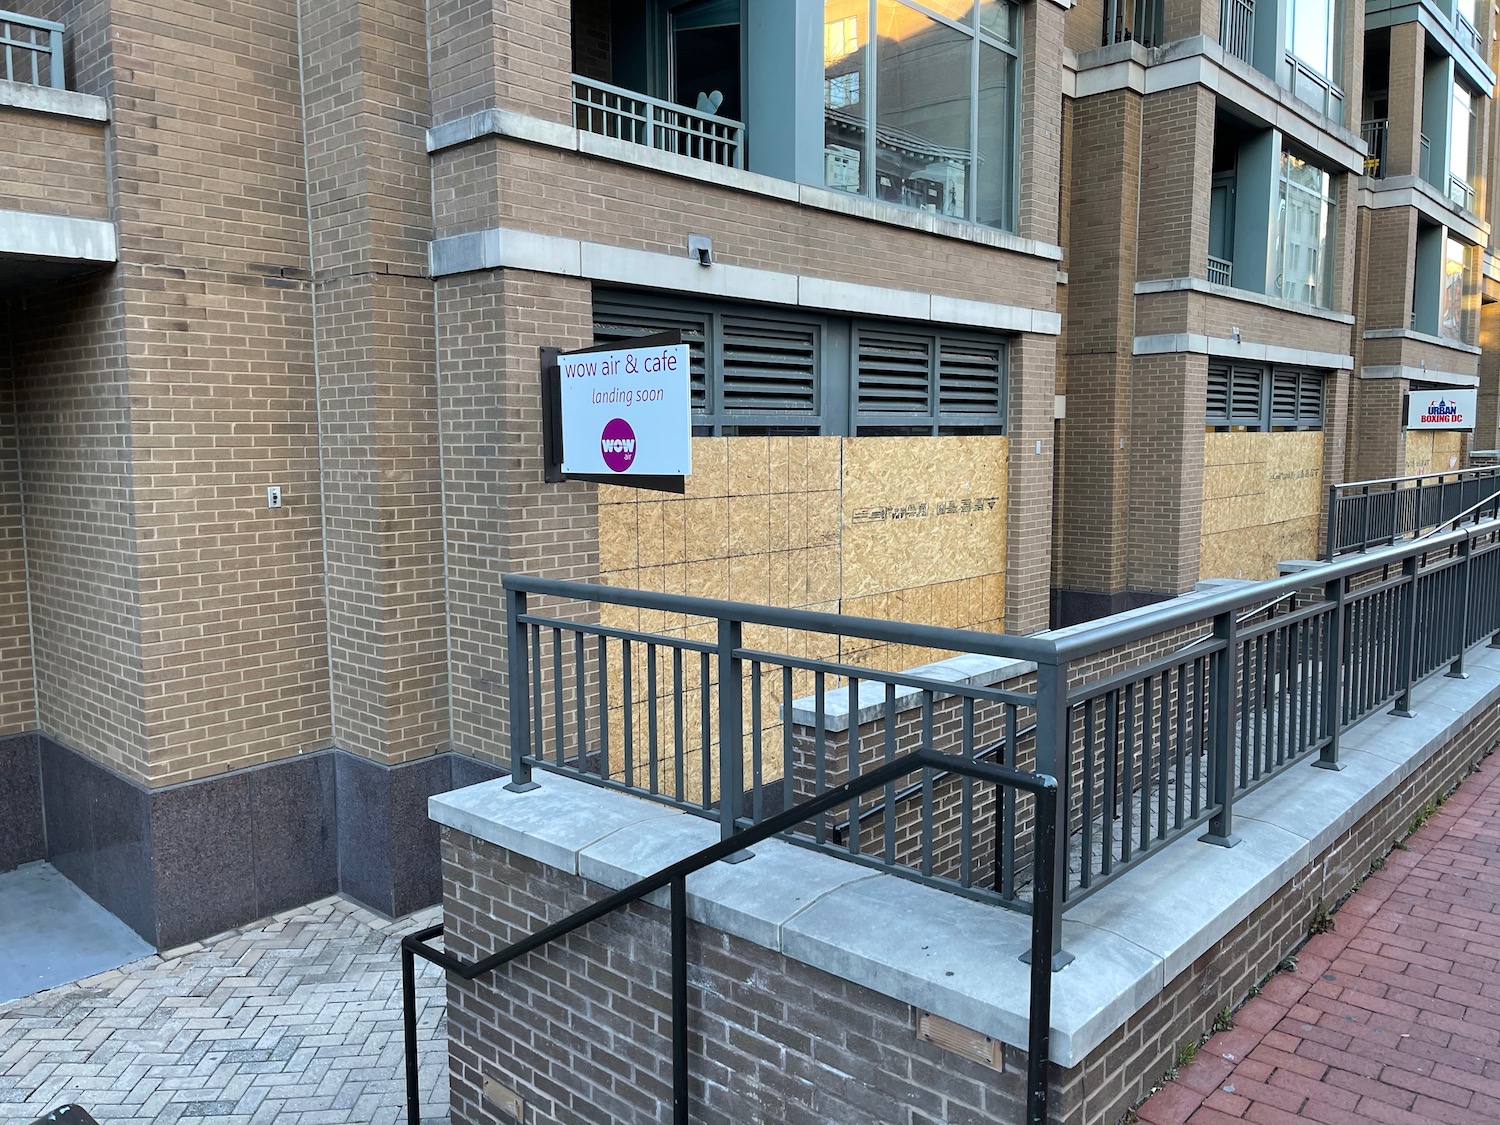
1302 237
919 104
1461 142
1451 313
1313 33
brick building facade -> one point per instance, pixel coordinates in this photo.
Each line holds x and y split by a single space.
318 246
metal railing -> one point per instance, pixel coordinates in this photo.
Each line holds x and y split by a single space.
674 879
1467 33
1220 271
1373 513
1139 21
627 115
31 50
1424 159
1460 192
1237 28
1375 132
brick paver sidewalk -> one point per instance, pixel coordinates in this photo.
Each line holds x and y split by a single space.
1392 1017
295 1021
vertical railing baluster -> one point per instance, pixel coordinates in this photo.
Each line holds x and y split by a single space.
603 663
757 788
1053 741
890 789
1086 824
1127 783
731 727
705 732
820 751
1410 569
966 809
581 705
627 692
927 784
1225 713
520 696
679 727
1335 593
1461 618
559 700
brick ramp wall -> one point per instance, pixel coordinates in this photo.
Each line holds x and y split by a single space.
582 1028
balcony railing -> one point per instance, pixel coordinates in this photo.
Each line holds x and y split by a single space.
1220 272
1373 513
640 119
31 51
1374 131
1237 28
1134 21
1461 193
1424 160
1468 34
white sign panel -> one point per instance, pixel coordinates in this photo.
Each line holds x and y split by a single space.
1442 409
627 412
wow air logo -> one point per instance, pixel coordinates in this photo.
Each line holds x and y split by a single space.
617 443
1442 411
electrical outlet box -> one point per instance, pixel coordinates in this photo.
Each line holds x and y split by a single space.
273 495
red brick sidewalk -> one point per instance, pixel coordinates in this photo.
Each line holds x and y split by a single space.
1392 1017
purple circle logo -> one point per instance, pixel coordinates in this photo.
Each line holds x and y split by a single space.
618 444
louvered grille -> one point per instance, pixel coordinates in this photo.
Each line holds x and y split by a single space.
1218 394
1284 398
895 374
969 379
617 323
769 368
1244 396
1310 399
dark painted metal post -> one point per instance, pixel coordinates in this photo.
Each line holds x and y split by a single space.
1224 684
731 727
1053 740
1330 545
409 1018
1364 534
518 675
1335 593
1465 552
1408 648
679 1003
1044 938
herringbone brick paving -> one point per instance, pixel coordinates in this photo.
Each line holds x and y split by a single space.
1393 1016
296 1020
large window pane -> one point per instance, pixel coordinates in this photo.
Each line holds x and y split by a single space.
1312 35
998 18
845 100
1302 236
995 150
924 83
1460 143
1451 314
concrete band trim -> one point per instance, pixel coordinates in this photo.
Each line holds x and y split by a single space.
510 125
503 248
28 235
1127 945
1422 337
1198 285
1202 62
1195 344
1413 191
59 103
1419 375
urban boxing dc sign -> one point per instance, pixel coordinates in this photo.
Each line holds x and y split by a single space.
1444 409
621 413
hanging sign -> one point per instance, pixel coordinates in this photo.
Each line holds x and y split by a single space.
626 412
1441 409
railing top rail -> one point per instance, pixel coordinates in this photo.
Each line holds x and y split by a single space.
625 92
1113 634
1451 474
1038 783
869 628
29 21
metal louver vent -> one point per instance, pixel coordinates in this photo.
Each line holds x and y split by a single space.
1244 396
618 323
1284 398
1310 399
895 374
769 368
969 379
1218 394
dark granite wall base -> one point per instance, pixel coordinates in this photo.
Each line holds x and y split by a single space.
180 863
21 837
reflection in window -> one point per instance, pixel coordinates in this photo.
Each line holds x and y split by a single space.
1302 238
939 86
1451 314
1461 139
1314 29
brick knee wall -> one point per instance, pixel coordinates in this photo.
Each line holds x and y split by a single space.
582 1029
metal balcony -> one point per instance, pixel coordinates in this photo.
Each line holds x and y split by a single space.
1220 272
1134 21
1237 29
31 51
1374 132
627 115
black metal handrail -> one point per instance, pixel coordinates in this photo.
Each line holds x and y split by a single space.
1372 513
1040 956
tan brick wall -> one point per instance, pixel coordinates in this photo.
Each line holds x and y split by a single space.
1166 475
517 56
1104 194
514 185
73 414
501 516
1176 154
1039 144
1408 58
1218 317
1032 432
17 686
52 165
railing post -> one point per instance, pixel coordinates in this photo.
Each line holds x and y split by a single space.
1465 552
1330 549
1364 531
1044 937
679 1003
1053 741
409 1025
1410 570
1224 682
1335 593
518 673
731 730
55 48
